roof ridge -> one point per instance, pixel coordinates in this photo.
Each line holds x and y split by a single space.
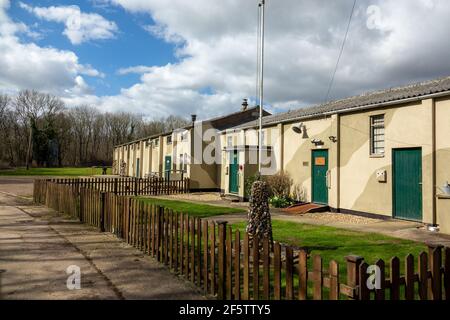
367 98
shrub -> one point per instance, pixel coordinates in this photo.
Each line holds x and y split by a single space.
299 193
280 184
280 202
248 185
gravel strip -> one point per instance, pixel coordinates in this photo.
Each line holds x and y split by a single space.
341 218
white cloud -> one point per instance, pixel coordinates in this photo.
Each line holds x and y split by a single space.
218 51
29 66
216 46
8 27
135 69
79 26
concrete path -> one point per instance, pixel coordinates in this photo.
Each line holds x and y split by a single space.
36 247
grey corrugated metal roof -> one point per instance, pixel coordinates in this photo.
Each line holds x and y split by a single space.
366 99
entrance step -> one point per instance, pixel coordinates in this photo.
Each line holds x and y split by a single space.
307 208
231 198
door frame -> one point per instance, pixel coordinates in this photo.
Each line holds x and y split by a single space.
232 153
393 184
313 151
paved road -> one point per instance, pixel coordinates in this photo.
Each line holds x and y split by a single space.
36 247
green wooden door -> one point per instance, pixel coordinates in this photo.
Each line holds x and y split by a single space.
319 176
234 169
407 184
167 167
138 168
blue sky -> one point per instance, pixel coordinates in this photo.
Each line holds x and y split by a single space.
133 45
179 57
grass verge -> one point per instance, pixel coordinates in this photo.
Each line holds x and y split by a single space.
63 172
193 209
335 244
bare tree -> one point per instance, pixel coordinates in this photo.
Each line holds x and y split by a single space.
83 118
4 103
32 106
33 124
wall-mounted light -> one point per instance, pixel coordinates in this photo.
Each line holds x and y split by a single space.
333 139
317 142
301 129
298 129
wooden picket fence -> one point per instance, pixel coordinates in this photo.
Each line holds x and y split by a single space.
230 265
153 186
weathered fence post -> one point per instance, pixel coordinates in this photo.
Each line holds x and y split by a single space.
364 292
353 263
334 280
159 228
116 182
102 211
221 294
435 262
135 186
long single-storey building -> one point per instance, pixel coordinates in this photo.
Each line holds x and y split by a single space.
179 153
384 153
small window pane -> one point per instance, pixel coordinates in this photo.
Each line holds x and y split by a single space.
377 135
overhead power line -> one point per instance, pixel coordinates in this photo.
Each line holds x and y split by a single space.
341 51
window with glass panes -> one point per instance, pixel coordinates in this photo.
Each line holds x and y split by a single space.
229 141
377 132
185 162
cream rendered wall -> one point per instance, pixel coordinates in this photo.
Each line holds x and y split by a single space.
135 153
272 160
298 153
141 157
148 156
167 149
204 175
239 138
443 161
130 160
156 156
224 182
246 141
443 214
116 160
406 126
442 141
125 158
181 148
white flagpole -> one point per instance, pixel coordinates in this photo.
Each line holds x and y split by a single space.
261 86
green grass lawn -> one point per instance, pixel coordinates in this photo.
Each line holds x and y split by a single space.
67 172
335 244
193 209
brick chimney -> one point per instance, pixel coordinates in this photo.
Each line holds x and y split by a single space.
244 105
